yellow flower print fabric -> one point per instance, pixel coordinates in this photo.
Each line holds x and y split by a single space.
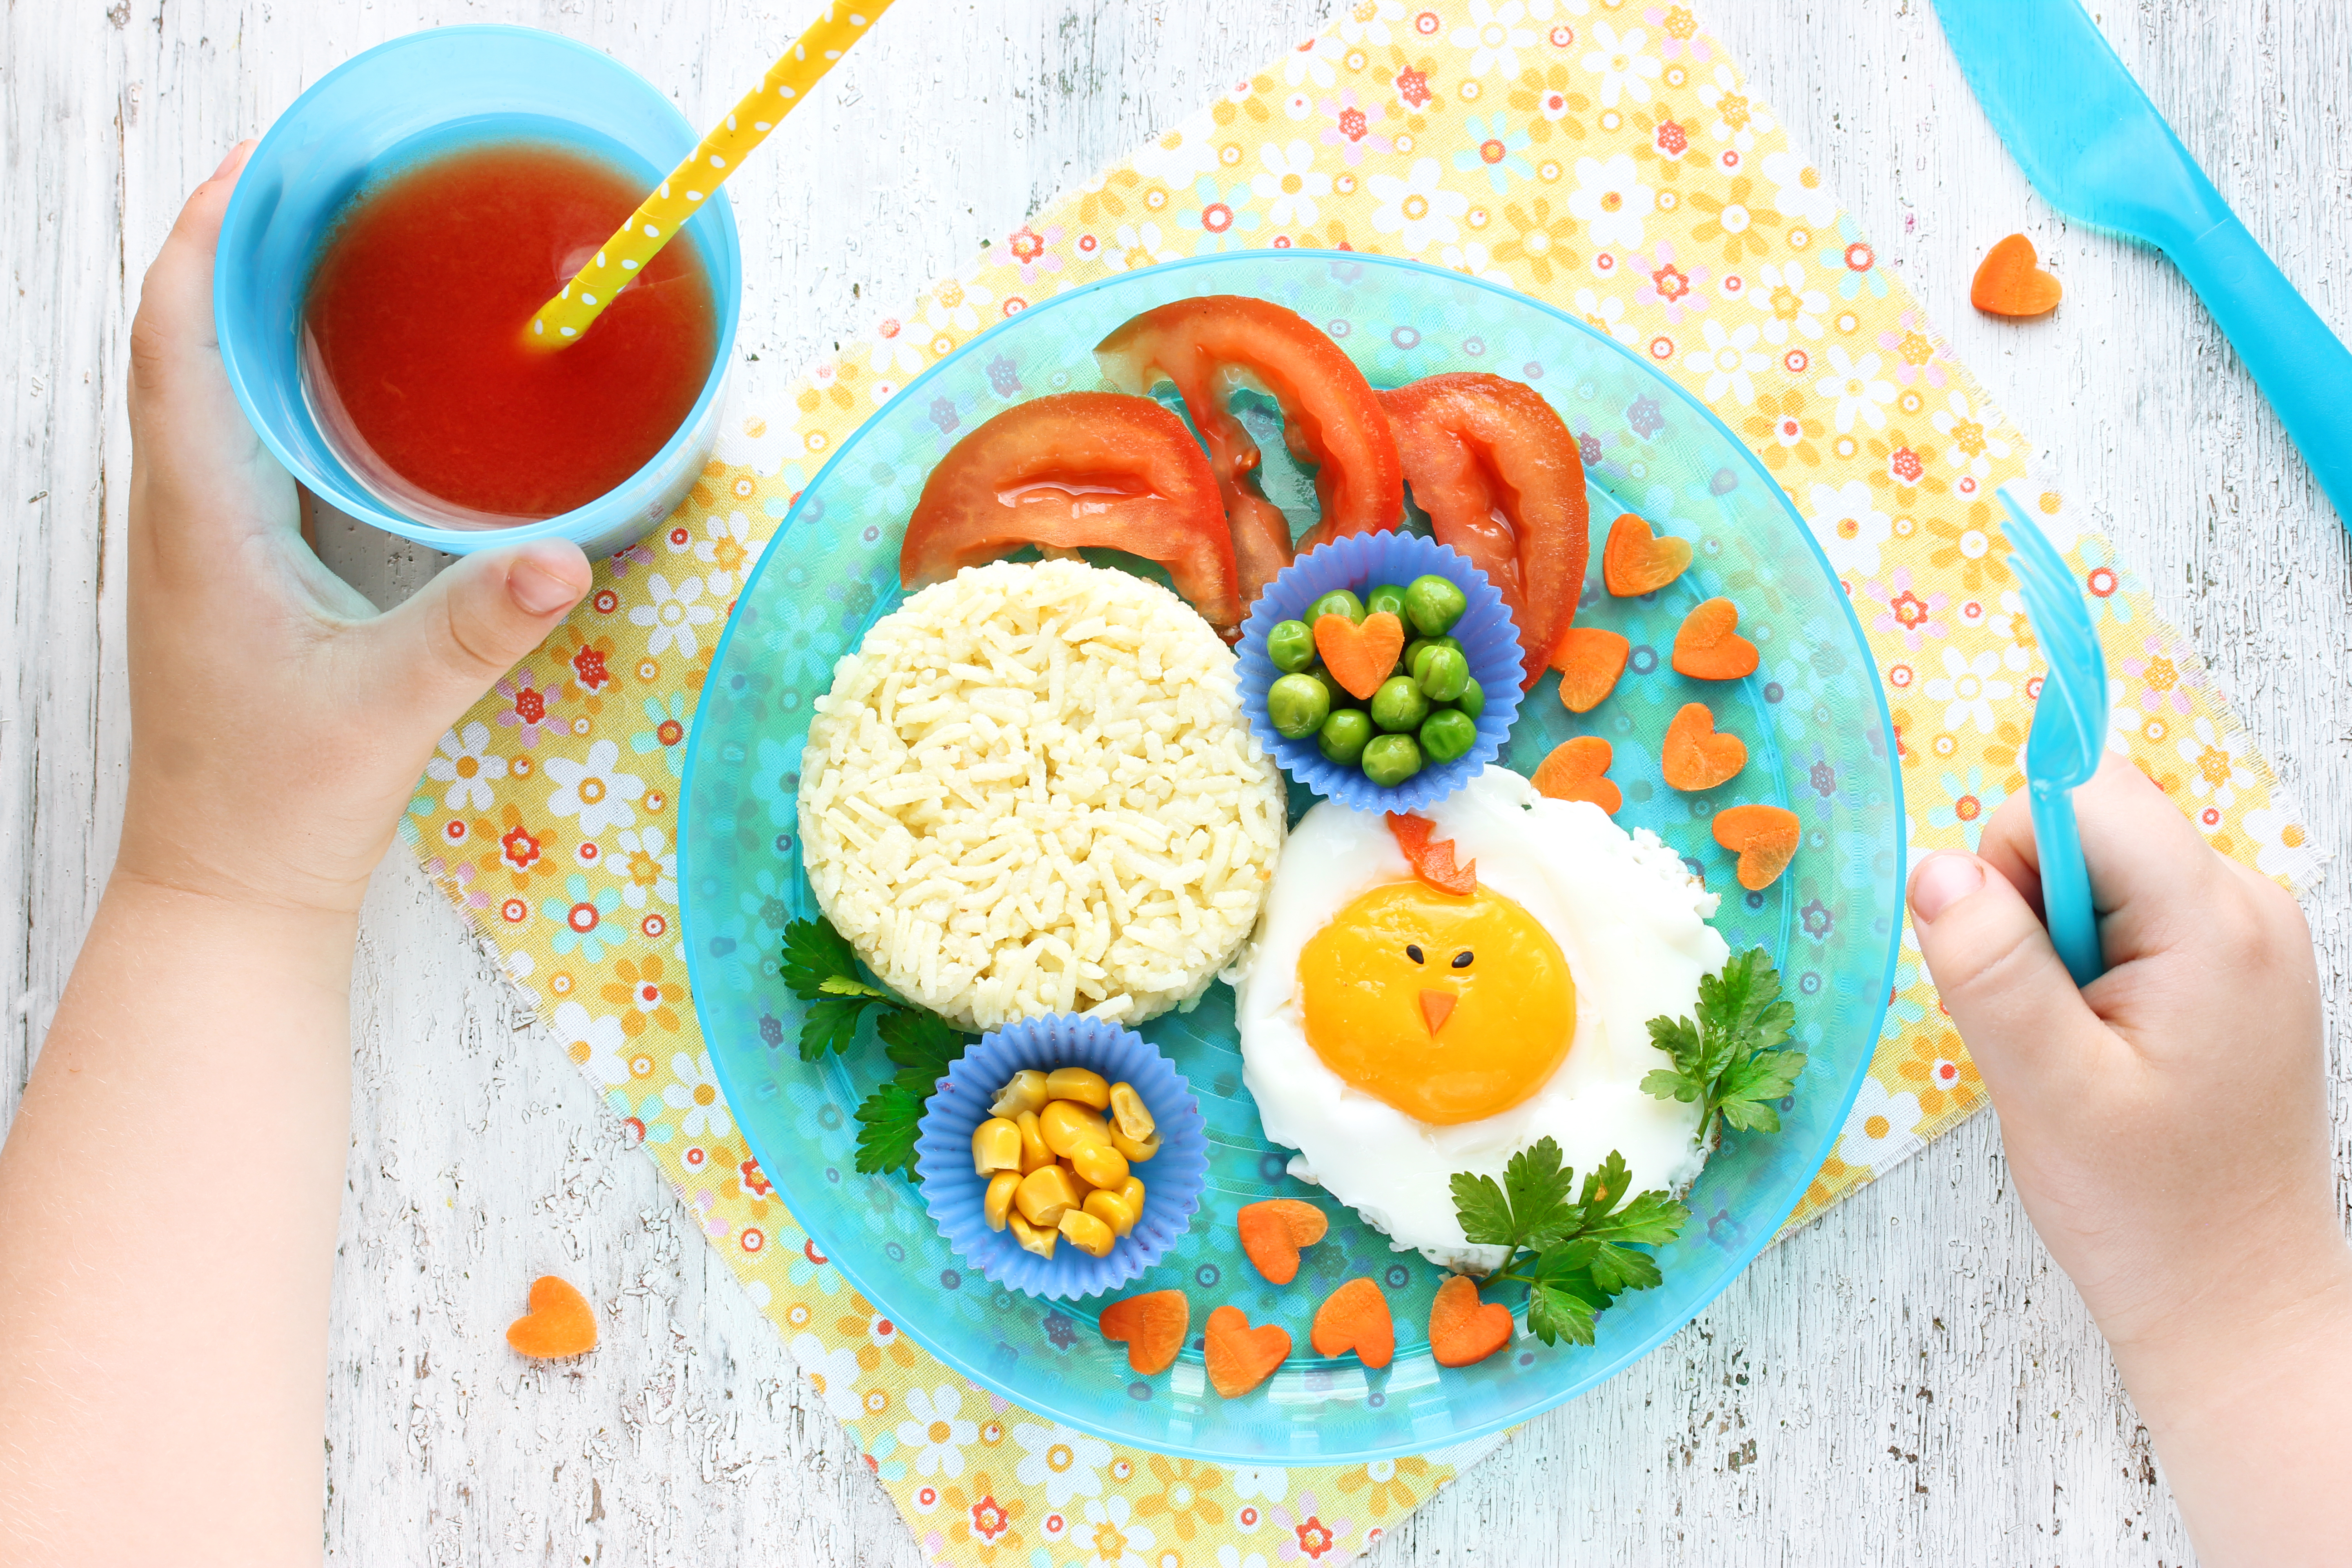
1606 157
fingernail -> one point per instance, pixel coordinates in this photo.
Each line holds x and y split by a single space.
538 590
235 156
1943 881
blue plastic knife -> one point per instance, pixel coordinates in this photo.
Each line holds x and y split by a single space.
2098 151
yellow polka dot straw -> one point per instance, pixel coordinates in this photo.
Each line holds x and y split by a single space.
674 200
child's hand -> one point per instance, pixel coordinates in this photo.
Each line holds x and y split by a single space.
279 723
2166 1127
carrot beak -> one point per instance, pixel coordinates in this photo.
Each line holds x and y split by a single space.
1436 1006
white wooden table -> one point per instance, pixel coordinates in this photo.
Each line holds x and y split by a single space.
1910 1381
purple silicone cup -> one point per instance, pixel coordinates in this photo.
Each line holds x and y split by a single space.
1359 562
1171 1179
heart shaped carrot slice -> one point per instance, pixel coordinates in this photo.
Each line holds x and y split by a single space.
560 1324
1708 646
1356 1317
1462 1329
1360 656
1273 1232
1695 755
1240 1357
1590 661
2011 282
1635 560
1578 770
1432 863
1152 1326
1765 837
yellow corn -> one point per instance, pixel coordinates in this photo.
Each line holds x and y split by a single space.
1045 1195
1027 1091
999 1202
1031 1237
995 1146
1132 1190
1100 1164
1087 1234
1079 1183
1069 1127
1082 1084
1033 1152
1135 1151
1112 1208
1128 1113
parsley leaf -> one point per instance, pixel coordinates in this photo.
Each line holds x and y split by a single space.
820 968
1574 1255
1530 1208
1726 1061
831 1024
921 1045
885 1131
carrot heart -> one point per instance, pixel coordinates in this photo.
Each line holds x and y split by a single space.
1635 561
1765 837
1240 1357
1590 661
1432 863
1695 756
1356 1317
2009 282
1463 1330
1360 656
1274 1231
1708 646
560 1324
1577 769
1152 1326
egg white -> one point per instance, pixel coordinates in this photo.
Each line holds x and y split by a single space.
1632 922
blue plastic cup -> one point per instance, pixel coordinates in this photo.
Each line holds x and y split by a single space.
413 98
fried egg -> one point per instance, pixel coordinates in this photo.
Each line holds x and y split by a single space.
1394 1034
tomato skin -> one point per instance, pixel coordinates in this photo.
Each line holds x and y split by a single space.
1078 468
1501 477
1331 417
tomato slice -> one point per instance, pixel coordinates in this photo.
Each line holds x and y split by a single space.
1501 475
1331 417
1078 468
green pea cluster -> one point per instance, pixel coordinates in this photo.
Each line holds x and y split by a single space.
1425 711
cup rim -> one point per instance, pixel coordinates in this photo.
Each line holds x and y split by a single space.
582 523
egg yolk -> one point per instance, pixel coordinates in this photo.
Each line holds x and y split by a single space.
1448 1009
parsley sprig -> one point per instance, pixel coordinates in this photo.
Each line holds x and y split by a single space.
820 968
1728 1061
1574 1255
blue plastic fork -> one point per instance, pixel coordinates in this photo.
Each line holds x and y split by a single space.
2061 750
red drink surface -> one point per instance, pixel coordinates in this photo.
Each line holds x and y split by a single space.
415 312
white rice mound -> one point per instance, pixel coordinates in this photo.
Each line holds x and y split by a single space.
1032 790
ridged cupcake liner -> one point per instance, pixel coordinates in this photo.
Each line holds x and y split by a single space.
955 1194
1359 562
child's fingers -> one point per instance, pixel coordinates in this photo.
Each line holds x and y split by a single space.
172 333
471 625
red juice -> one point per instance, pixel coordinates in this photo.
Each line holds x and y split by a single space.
413 336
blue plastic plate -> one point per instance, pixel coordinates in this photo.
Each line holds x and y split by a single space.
1817 732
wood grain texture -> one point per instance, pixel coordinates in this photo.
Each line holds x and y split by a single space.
1909 1381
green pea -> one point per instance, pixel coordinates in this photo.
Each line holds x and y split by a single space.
1433 604
1399 706
1448 734
1413 660
1390 760
1442 676
1296 704
1343 736
1341 697
1291 646
1338 602
1386 596
1473 699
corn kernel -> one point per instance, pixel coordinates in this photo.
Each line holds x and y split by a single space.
995 1146
1031 1237
1082 1084
1033 1152
1045 1195
1130 1191
1079 1183
1024 1092
1087 1234
999 1202
1135 1151
1112 1209
1100 1166
1128 1113
1069 1127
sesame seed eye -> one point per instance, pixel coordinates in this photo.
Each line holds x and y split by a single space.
1412 951
1462 959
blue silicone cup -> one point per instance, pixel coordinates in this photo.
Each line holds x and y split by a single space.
954 1193
1359 562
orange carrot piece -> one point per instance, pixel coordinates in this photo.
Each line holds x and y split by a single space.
1273 1232
1432 863
1765 837
1578 770
1708 646
2010 281
1152 1325
1590 661
1635 561
1695 755
1463 1330
1240 1357
560 1323
1360 657
1356 1317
